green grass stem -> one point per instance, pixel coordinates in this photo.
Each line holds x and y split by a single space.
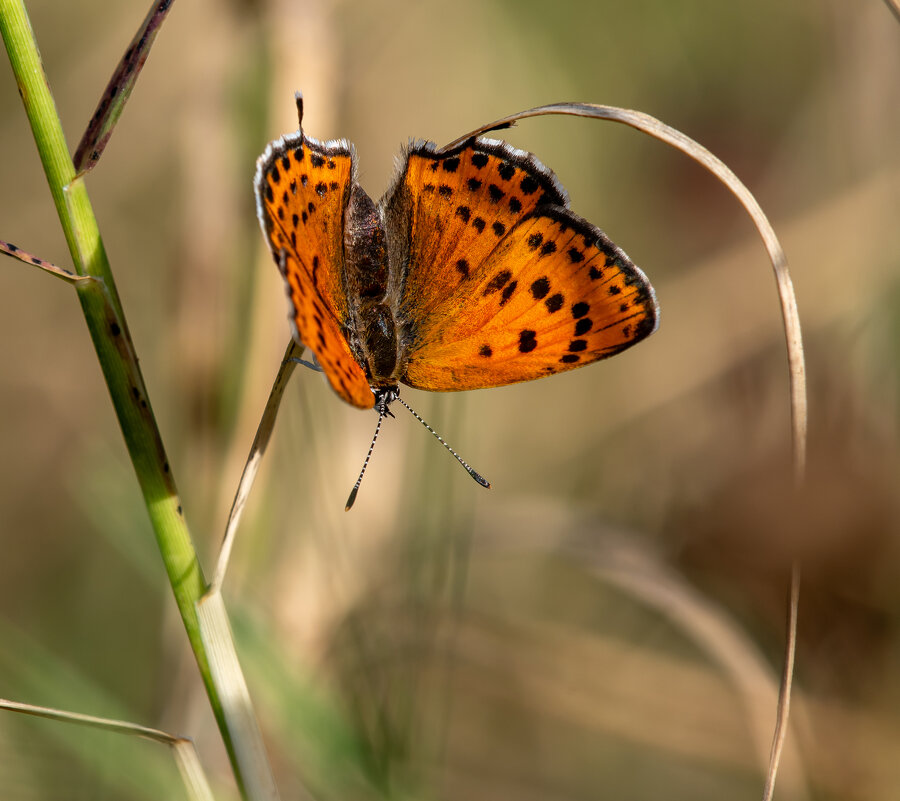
109 333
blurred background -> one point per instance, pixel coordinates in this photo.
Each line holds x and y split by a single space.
606 621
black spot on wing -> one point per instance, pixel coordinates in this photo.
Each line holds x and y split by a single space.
507 292
580 309
527 340
540 288
583 326
497 282
554 303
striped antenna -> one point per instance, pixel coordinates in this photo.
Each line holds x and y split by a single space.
382 405
477 476
352 499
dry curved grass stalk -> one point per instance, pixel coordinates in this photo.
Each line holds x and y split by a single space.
790 316
183 749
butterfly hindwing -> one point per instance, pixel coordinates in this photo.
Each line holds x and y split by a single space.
542 291
302 189
314 326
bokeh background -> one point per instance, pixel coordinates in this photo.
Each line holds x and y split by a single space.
608 620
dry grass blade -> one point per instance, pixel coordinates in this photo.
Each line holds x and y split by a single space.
621 562
259 784
251 467
894 6
784 691
118 90
799 415
58 272
185 753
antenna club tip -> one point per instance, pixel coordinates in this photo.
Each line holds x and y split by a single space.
351 500
481 480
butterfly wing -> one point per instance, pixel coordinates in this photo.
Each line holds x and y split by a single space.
302 190
501 282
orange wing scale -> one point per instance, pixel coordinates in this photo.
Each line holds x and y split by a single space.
303 187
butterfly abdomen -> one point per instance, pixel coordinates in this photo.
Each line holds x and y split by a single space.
380 345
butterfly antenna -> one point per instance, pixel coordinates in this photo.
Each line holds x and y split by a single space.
298 99
352 499
477 476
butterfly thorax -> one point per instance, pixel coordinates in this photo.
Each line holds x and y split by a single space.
373 334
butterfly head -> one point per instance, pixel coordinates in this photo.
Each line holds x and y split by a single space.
384 397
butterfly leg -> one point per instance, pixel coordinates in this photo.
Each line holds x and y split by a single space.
313 365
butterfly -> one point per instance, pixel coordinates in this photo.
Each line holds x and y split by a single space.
470 272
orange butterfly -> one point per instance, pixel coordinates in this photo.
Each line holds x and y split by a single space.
470 272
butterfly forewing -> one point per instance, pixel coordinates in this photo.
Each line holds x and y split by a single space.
448 212
302 189
541 291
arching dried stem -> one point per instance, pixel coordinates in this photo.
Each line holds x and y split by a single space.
655 128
